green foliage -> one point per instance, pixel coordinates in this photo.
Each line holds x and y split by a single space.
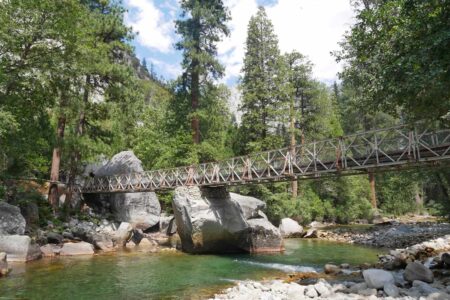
397 57
263 104
202 24
396 194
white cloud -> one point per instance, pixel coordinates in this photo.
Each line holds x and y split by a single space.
312 27
155 31
231 49
173 70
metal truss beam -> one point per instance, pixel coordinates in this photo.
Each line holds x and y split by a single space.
391 148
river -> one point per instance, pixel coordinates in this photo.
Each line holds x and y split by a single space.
134 275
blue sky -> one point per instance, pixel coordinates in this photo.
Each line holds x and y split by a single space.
312 27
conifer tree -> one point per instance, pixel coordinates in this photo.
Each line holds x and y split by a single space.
262 100
201 26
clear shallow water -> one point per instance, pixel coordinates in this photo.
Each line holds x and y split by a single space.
167 275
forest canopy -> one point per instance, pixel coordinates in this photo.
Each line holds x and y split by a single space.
72 91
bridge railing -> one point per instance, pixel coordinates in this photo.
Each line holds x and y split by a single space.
396 146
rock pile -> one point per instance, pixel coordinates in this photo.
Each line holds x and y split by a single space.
399 258
388 235
384 288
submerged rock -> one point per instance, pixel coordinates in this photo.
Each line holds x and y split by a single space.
19 248
312 233
50 250
331 269
11 220
4 270
290 228
82 248
211 220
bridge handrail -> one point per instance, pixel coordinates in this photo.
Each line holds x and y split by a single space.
344 146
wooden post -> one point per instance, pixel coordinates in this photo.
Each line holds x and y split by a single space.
373 195
293 142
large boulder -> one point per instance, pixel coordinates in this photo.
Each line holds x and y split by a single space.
251 206
290 228
11 220
82 248
376 278
261 237
19 248
141 209
211 221
417 271
124 162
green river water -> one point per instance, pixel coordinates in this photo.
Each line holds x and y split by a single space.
167 275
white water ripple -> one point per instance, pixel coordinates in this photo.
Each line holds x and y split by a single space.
281 267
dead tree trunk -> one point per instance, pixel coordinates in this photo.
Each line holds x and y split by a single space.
56 162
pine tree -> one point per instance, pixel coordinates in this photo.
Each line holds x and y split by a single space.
201 26
263 103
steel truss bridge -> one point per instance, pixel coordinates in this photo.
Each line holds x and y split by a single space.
370 151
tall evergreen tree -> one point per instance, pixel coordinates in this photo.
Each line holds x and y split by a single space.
298 72
201 26
262 103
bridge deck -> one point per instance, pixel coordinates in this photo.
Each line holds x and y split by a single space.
397 147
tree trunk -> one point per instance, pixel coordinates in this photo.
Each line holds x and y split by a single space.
195 82
195 122
373 194
76 155
419 199
294 183
56 161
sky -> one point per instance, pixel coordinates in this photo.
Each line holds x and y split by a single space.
312 27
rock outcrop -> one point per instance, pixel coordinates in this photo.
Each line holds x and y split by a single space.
19 248
290 228
212 220
11 220
142 210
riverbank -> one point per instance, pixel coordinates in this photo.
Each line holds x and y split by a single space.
391 234
421 271
417 266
